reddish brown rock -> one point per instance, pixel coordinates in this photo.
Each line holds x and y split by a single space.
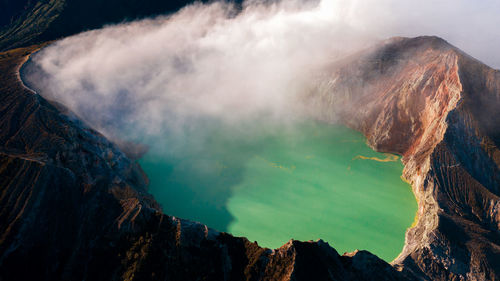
440 109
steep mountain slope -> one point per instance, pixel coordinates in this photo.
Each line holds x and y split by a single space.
75 207
25 22
10 10
439 108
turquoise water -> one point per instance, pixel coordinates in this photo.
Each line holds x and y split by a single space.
271 183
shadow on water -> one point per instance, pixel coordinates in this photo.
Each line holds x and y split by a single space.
194 173
192 188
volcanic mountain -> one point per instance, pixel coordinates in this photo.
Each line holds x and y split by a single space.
74 206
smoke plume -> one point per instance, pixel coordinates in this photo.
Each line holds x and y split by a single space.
232 64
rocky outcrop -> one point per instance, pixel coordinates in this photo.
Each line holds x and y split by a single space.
438 107
74 207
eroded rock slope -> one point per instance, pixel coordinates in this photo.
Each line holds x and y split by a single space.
439 108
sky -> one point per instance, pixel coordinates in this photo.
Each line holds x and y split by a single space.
473 26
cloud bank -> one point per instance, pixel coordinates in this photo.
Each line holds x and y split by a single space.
216 61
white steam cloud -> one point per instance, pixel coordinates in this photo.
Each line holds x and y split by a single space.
214 61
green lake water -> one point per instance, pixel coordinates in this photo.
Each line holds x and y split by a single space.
271 183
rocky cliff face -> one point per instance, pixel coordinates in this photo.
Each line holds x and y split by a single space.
74 207
439 108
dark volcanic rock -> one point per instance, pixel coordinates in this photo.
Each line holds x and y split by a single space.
74 207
